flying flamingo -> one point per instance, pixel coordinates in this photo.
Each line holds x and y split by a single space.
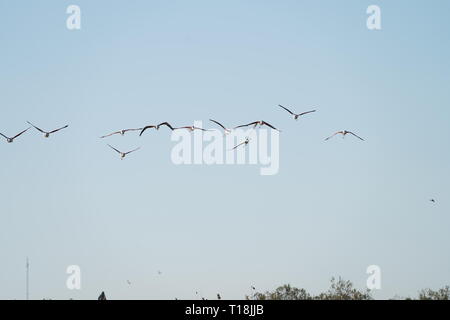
258 123
123 154
344 133
47 133
296 115
11 140
121 132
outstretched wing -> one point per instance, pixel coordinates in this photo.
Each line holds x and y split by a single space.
132 150
56 130
134 129
269 125
246 125
218 123
145 128
356 135
286 109
303 113
108 135
114 149
36 127
333 135
20 133
4 136
201 129
166 124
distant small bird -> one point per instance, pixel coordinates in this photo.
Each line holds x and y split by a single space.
11 140
47 133
123 154
225 130
253 288
432 200
102 296
197 293
247 140
192 128
121 132
258 123
129 282
219 297
159 272
344 133
296 115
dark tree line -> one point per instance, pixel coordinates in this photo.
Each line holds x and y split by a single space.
340 289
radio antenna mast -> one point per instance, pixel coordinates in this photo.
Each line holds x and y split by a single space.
28 271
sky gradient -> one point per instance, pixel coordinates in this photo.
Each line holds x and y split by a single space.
333 209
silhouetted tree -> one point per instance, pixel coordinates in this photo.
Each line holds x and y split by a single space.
285 292
440 294
339 290
343 290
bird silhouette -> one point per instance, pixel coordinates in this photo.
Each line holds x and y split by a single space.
47 133
102 296
296 115
11 139
344 133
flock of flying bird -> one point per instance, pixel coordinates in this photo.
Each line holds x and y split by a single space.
46 133
226 130
254 124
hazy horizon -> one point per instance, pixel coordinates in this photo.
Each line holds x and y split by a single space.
333 209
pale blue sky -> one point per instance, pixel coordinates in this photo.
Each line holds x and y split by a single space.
335 207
